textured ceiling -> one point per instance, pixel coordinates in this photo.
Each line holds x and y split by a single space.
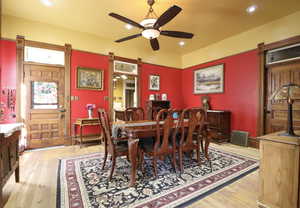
210 21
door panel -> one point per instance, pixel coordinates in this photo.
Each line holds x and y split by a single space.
45 90
276 111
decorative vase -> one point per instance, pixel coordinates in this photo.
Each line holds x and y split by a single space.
90 113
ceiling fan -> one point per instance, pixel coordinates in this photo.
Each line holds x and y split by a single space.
151 25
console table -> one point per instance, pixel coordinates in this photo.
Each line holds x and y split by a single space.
82 122
219 124
9 153
279 171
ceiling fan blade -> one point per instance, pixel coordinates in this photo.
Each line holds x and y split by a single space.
167 16
154 44
128 38
176 34
126 20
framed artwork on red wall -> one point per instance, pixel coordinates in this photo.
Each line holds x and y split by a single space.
209 80
89 79
154 82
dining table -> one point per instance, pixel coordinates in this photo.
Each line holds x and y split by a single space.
141 130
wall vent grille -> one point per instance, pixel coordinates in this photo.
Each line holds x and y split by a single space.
239 138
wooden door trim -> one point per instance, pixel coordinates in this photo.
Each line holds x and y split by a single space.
112 58
67 48
262 49
49 46
68 51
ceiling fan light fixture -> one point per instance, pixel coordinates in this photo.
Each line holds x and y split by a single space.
150 33
148 22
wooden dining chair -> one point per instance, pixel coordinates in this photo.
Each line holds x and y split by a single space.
111 145
134 114
162 146
188 142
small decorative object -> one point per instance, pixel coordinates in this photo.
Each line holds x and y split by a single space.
289 92
89 79
154 82
209 80
151 97
205 102
90 108
164 96
125 67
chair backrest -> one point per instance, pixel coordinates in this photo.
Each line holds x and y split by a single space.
106 129
134 114
164 127
155 111
196 117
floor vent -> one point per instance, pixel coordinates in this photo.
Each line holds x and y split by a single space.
239 138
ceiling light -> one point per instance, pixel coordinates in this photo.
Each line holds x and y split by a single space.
150 33
181 43
47 2
128 26
148 22
251 9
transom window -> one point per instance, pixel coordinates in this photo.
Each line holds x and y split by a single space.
44 56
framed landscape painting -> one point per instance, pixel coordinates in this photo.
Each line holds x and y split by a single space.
89 79
209 80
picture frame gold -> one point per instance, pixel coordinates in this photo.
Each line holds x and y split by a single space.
89 78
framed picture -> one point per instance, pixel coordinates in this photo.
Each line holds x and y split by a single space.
209 80
125 67
89 79
154 82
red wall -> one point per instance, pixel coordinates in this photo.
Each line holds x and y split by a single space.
8 77
170 83
240 94
78 107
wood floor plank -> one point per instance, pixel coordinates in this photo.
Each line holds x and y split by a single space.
38 176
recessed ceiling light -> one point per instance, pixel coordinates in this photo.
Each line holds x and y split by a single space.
251 9
128 26
47 2
181 43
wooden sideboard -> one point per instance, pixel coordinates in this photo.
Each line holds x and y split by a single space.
9 154
279 171
219 124
151 105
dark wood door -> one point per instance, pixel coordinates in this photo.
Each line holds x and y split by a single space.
276 112
45 102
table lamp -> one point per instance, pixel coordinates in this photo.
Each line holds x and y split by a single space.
289 92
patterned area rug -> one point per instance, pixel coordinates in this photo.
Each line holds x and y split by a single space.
82 183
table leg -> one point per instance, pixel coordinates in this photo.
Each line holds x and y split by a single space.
74 134
207 142
80 136
17 174
133 149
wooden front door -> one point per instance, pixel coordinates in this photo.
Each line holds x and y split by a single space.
276 112
45 105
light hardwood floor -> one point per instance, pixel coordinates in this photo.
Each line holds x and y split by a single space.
38 176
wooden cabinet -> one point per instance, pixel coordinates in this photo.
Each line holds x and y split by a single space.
219 124
279 171
154 105
9 154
